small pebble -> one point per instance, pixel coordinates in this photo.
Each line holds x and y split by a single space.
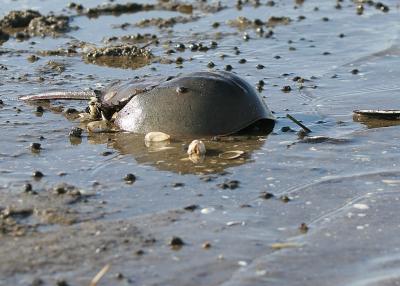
229 184
285 199
36 147
119 276
242 61
286 88
181 89
303 228
76 132
130 178
27 188
191 208
266 195
228 67
260 66
176 242
206 245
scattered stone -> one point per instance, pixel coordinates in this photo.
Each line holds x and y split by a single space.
36 147
303 228
130 178
27 188
266 195
206 245
18 19
176 242
177 185
76 132
229 184
275 21
165 23
285 199
191 208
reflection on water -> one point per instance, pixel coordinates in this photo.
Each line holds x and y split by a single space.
375 122
172 156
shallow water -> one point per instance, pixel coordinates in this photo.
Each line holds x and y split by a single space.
343 186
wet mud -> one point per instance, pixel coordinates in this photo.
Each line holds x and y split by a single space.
290 208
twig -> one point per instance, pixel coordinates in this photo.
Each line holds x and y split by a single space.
305 128
148 44
100 275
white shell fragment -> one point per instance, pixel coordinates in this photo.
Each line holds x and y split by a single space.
230 155
361 206
196 151
197 147
156 137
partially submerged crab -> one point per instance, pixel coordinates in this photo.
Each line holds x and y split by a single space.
199 103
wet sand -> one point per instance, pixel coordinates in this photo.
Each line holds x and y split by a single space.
319 210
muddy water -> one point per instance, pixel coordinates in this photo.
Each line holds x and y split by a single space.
343 185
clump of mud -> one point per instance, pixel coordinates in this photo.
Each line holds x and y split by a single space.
29 23
18 19
275 21
133 39
165 23
3 37
117 9
245 23
124 56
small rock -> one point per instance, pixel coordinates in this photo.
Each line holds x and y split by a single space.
266 195
206 245
27 188
36 147
176 242
130 178
191 208
303 228
285 199
229 184
37 174
76 132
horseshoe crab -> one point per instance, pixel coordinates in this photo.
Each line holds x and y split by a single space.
199 103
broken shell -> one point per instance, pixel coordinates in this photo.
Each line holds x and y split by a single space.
156 137
230 155
94 108
197 158
197 147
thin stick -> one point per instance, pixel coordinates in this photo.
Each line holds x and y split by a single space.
148 44
305 128
100 275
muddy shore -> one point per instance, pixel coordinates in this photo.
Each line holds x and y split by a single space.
289 210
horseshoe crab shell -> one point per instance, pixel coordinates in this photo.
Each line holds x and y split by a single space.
200 103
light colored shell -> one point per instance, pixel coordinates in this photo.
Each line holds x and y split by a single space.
156 137
196 147
99 126
230 155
